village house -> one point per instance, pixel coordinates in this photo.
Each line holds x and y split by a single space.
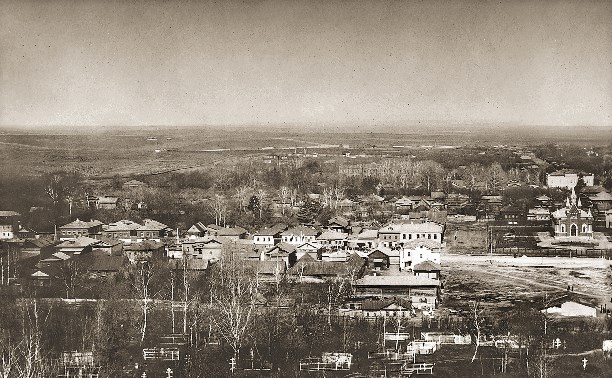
77 246
379 258
365 239
334 255
232 233
281 252
427 269
78 228
209 249
311 249
512 214
107 203
423 292
36 247
198 230
268 237
332 239
538 214
416 251
146 250
123 230
395 234
339 224
152 230
572 220
9 224
308 267
299 235
568 179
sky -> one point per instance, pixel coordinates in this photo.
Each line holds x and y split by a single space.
329 62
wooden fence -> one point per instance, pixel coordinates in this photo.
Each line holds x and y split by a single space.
554 252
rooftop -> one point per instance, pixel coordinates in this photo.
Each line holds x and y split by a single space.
398 280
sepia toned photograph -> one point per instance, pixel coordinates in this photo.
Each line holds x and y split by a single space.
314 188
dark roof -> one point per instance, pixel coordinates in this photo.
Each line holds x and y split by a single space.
307 266
281 249
146 245
301 230
341 221
379 304
426 266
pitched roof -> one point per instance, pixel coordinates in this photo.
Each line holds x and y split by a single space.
77 223
281 249
278 228
80 242
332 235
412 227
300 230
379 304
340 221
601 196
398 280
122 225
426 266
146 245
152 225
107 200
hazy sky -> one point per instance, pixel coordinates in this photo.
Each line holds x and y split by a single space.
104 62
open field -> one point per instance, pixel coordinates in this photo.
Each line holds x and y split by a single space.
132 151
504 280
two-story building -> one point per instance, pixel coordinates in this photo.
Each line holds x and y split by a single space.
123 230
152 230
9 224
396 234
79 228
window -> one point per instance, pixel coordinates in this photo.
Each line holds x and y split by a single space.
435 236
428 236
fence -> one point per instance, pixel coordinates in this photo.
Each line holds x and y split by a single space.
555 252
161 354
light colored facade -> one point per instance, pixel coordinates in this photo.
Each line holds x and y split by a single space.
398 234
299 235
567 179
419 251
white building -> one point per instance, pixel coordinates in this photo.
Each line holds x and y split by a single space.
398 234
417 251
568 179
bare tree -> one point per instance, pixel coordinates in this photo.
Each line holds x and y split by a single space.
284 194
219 208
241 196
141 275
234 299
476 325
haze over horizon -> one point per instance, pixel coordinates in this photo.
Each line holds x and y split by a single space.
97 63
